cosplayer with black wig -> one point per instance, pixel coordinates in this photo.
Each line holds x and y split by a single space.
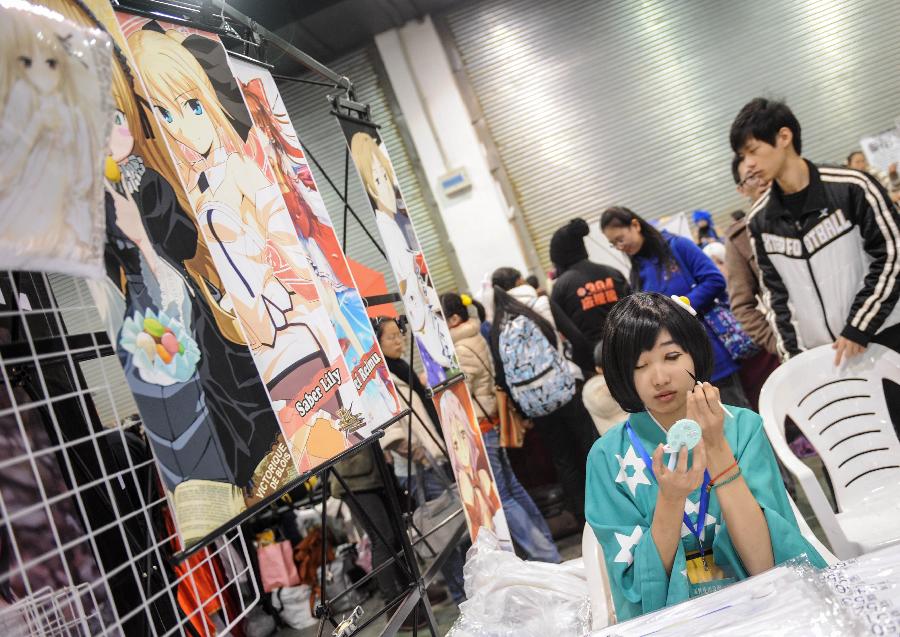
727 492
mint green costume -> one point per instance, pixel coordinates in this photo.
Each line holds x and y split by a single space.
621 497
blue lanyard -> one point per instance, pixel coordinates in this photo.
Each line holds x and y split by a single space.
696 530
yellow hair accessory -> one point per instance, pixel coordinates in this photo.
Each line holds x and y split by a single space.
466 299
684 302
111 170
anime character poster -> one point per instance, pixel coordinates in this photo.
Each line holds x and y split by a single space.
205 411
420 300
477 489
286 161
54 122
239 211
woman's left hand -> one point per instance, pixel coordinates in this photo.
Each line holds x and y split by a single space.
704 406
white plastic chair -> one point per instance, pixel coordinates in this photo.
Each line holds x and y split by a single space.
603 612
810 537
844 415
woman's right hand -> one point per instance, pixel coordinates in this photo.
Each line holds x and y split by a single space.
678 484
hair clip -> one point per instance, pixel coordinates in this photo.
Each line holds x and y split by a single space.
466 299
684 302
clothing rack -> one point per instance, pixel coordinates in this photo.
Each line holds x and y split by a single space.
84 488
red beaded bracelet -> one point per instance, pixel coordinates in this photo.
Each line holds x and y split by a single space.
712 482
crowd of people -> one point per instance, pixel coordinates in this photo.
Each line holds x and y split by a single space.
605 363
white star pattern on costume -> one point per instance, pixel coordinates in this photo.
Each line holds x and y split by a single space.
639 476
684 573
693 508
627 543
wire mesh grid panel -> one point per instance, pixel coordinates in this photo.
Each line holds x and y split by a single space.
86 536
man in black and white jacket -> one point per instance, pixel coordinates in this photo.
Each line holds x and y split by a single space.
827 241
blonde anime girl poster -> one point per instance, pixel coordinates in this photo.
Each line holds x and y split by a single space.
54 122
477 489
217 443
286 161
239 211
420 300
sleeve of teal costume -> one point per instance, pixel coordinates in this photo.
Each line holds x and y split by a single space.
760 471
637 577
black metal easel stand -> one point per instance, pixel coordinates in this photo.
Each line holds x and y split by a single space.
415 598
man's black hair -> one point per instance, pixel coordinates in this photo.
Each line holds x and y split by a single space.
737 215
632 328
761 119
855 152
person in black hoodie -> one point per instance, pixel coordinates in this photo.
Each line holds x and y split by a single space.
586 291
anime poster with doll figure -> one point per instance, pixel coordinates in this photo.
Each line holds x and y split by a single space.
54 121
468 456
267 283
420 300
286 161
216 440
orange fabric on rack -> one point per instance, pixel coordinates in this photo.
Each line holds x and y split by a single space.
201 578
308 556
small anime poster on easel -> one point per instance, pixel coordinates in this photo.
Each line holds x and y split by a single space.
420 300
468 456
286 161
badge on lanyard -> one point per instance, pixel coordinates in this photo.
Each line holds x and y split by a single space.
697 530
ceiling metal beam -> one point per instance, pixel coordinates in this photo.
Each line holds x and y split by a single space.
303 58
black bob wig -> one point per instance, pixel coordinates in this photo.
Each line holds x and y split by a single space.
632 328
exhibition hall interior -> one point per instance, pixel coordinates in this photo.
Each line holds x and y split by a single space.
465 318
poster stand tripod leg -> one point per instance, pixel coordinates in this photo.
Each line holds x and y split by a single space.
323 609
417 593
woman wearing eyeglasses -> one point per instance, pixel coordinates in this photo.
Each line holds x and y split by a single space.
674 265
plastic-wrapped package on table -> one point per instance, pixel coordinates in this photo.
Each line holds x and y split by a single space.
788 599
509 597
56 113
869 588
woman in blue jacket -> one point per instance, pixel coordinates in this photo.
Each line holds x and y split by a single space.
658 264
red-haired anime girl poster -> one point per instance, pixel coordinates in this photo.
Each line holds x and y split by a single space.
286 161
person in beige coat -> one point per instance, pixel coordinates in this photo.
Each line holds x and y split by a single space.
526 524
424 445
744 292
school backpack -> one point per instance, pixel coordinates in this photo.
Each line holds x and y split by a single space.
536 373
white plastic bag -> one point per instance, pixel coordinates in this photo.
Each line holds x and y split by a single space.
509 597
294 606
868 587
785 600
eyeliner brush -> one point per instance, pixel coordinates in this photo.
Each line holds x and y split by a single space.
724 408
